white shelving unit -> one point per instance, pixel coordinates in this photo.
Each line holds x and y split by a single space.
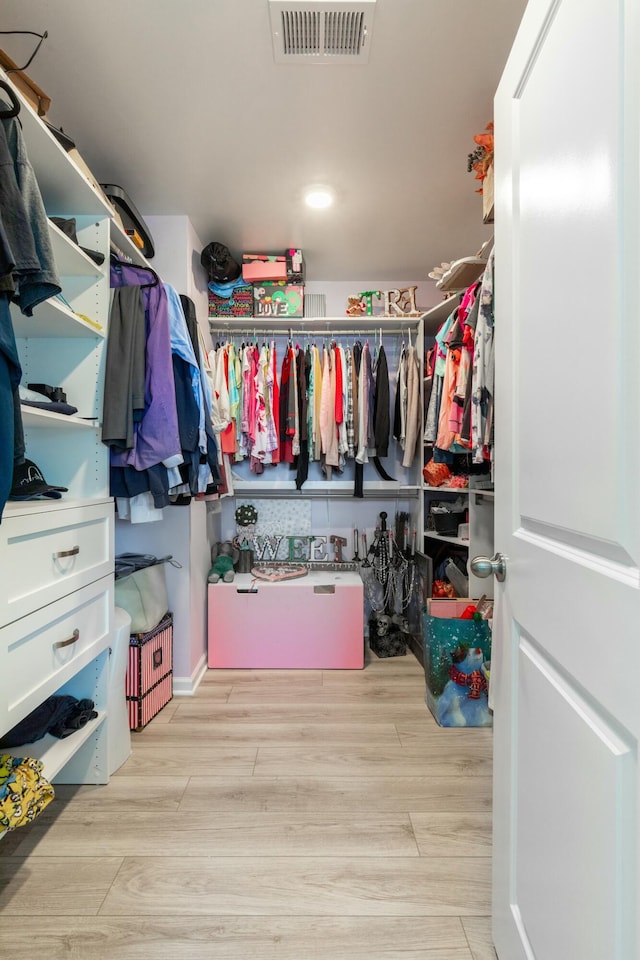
479 500
45 419
57 616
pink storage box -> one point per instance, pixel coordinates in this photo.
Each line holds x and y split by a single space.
149 682
314 622
257 267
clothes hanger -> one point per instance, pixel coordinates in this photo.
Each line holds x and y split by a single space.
15 103
116 262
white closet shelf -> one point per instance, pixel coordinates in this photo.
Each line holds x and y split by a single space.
325 325
459 490
444 489
56 753
432 535
324 488
64 187
17 508
52 319
128 247
462 274
70 260
36 417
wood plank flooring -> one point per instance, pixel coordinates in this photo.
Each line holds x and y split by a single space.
281 815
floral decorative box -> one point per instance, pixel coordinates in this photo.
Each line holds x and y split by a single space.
278 300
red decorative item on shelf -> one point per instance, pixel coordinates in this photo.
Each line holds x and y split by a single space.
459 482
435 474
468 613
482 157
443 590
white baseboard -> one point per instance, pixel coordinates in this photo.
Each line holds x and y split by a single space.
187 686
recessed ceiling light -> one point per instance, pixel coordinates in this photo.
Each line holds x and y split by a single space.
319 198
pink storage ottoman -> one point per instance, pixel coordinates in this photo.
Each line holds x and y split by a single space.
315 622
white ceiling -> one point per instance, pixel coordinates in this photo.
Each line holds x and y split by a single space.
181 104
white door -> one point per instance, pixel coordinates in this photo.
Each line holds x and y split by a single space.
566 660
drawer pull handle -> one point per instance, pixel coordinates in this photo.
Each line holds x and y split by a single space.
66 553
67 643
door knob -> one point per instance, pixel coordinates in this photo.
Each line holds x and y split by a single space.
484 567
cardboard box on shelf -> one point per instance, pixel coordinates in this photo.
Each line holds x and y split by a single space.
278 300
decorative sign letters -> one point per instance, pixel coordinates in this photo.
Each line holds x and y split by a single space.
400 302
396 303
303 549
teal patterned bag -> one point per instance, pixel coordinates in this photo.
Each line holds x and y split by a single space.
457 655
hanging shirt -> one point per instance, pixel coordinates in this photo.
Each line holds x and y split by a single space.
303 456
287 413
294 401
234 384
363 406
253 369
343 444
156 436
275 401
222 391
182 346
349 419
414 416
381 421
402 392
483 372
318 374
311 387
217 422
271 405
259 448
371 442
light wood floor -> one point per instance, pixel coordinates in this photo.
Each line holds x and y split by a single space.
276 815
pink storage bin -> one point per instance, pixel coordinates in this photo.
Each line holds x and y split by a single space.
255 268
315 622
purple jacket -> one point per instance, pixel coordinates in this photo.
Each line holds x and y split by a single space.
156 436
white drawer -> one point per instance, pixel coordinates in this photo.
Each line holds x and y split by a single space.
46 555
35 657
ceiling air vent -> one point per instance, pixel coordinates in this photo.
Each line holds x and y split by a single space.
321 31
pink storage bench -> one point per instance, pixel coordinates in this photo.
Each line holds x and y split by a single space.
314 622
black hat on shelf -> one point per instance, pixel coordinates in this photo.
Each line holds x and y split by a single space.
219 264
29 484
